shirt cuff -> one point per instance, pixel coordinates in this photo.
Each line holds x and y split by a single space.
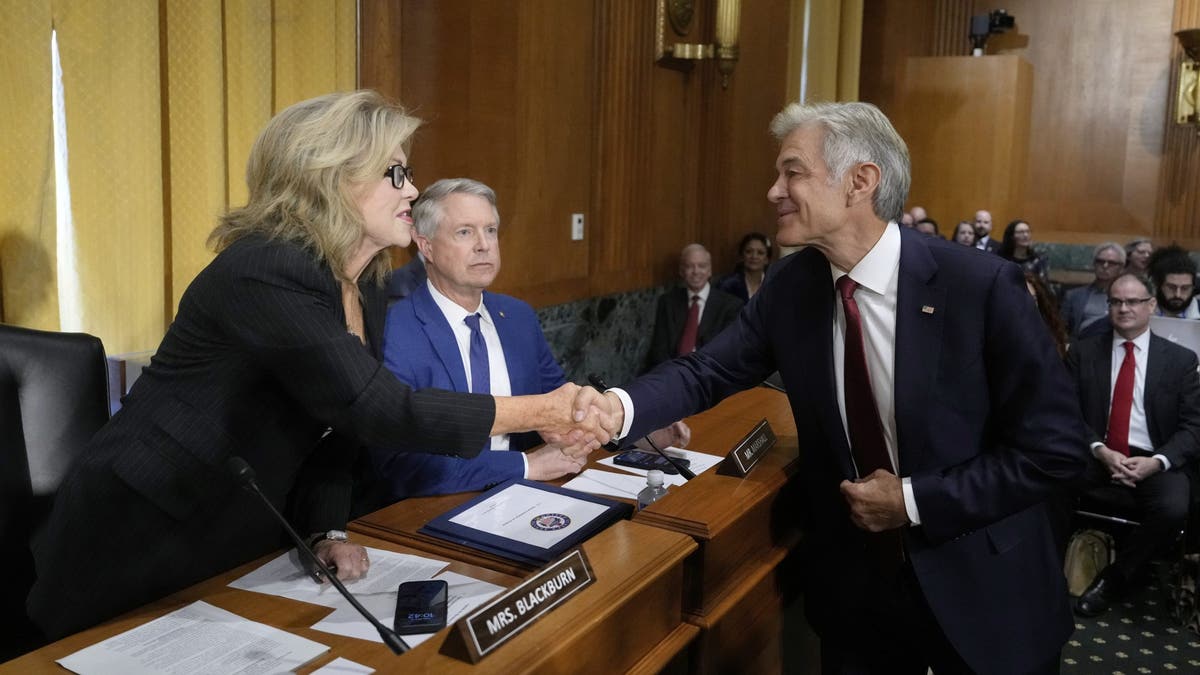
627 404
1095 446
1165 462
910 501
525 461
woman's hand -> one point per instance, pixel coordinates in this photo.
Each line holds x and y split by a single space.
349 558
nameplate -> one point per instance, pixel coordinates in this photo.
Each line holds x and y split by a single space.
504 618
742 458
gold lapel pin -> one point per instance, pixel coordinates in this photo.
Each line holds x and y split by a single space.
927 309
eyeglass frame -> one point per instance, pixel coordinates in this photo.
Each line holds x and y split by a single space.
1107 263
405 173
1131 303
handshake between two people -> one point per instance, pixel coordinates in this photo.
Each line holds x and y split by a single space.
580 420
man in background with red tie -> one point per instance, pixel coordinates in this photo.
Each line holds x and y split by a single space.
934 415
1140 396
688 317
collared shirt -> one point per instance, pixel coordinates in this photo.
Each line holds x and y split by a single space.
878 278
1139 430
980 243
497 367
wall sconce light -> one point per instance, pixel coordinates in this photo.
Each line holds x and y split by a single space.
1187 104
681 54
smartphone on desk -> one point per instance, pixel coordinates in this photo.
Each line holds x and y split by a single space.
420 607
639 459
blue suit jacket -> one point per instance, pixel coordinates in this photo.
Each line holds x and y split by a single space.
987 423
419 347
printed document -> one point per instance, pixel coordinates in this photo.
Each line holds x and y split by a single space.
531 516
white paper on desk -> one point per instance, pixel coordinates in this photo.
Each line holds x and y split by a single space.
596 482
198 638
463 595
514 513
700 462
342 666
284 577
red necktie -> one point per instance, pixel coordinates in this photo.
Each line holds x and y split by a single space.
687 341
1122 403
867 444
862 415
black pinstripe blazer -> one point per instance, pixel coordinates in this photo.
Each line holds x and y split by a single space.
257 363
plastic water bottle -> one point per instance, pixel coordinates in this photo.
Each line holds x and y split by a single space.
654 489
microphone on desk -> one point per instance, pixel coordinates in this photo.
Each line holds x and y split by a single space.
599 383
245 476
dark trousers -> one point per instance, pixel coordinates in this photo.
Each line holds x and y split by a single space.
900 638
1161 503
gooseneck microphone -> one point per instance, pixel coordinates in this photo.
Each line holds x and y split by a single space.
245 476
599 383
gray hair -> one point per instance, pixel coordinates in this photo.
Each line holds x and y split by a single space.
1109 245
427 212
1136 243
856 133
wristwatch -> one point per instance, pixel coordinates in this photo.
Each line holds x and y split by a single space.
331 535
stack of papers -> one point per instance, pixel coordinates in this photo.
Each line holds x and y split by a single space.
628 484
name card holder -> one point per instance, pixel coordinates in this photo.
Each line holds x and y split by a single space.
746 453
487 628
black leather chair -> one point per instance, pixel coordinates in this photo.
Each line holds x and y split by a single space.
53 398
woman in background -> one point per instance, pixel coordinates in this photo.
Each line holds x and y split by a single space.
272 357
964 233
754 254
1137 256
1017 246
1048 308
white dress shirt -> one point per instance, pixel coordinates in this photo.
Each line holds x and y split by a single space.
1139 430
497 366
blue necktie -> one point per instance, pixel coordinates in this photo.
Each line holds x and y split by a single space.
481 375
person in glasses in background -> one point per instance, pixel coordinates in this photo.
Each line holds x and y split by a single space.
273 356
1140 396
1088 304
1174 275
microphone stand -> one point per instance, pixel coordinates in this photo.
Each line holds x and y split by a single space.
245 476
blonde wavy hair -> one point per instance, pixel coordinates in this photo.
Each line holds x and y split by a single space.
302 172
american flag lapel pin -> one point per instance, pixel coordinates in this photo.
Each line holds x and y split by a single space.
927 309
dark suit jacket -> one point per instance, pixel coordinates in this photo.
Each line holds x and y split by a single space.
1172 394
257 363
992 246
419 347
987 428
407 279
720 310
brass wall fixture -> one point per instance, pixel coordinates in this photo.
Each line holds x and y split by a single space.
1187 104
678 14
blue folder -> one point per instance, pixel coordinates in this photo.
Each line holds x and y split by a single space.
527 554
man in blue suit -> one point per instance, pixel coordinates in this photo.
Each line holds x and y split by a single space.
451 320
934 415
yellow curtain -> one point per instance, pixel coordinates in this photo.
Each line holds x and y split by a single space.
163 100
823 52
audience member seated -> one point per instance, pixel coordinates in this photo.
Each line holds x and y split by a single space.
929 226
452 333
1017 246
688 317
918 214
983 233
1174 274
1085 305
754 253
1048 308
906 220
964 233
1137 256
1142 393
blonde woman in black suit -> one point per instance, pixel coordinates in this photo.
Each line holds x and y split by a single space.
273 356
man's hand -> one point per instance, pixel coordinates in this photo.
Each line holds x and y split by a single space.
568 426
1141 468
876 502
678 435
549 462
607 407
349 558
1114 462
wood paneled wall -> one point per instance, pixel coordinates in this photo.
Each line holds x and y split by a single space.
1178 204
1099 104
559 106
